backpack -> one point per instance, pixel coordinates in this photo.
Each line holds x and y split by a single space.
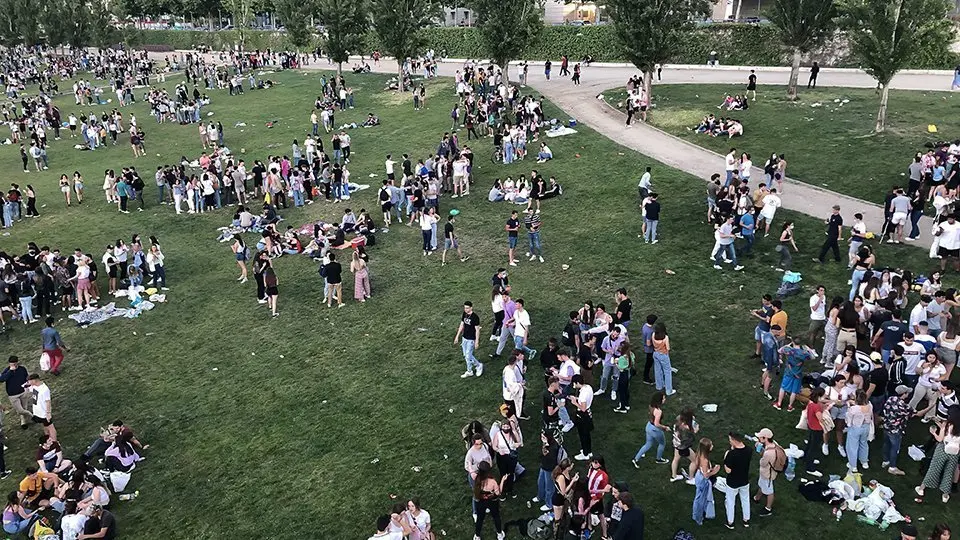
779 459
384 194
246 252
323 271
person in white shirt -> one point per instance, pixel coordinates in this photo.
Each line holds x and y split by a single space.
931 372
383 530
919 313
731 165
389 163
913 353
521 330
584 417
646 185
745 167
513 384
42 410
947 240
818 313
770 204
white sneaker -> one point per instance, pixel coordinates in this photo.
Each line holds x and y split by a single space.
676 478
466 374
613 396
533 258
718 267
527 254
501 535
884 464
567 427
544 508
541 259
864 465
479 370
826 450
581 457
738 267
842 451
599 392
494 338
512 263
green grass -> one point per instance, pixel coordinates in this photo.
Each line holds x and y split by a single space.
280 440
830 146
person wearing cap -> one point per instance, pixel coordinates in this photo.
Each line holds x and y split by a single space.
907 532
896 414
768 473
834 235
876 382
14 376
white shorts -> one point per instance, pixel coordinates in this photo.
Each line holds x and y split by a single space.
766 486
899 218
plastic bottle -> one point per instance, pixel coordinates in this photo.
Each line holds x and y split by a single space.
837 512
790 472
865 519
129 496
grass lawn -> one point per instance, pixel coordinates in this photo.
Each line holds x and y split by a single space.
831 145
280 441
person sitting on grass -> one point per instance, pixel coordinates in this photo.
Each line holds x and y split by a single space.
706 125
50 456
545 153
36 489
738 104
727 100
496 193
371 121
16 518
732 128
553 190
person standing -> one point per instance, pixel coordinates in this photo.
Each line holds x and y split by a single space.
334 277
14 376
512 227
584 417
818 314
752 84
652 219
624 308
703 506
53 345
532 223
814 70
42 412
450 241
546 69
817 409
896 414
631 518
469 329
834 235
513 384
736 463
521 330
725 238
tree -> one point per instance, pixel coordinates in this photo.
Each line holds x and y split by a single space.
296 16
345 24
885 35
651 30
398 23
242 13
507 27
803 25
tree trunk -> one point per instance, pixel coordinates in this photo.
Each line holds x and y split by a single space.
794 75
339 69
505 70
647 88
882 113
400 74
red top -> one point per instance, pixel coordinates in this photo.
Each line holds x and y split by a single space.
597 481
813 420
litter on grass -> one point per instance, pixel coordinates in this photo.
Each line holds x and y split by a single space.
710 407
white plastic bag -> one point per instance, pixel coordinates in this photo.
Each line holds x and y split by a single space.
45 362
119 480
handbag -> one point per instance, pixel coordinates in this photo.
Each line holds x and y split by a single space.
802 424
827 422
45 362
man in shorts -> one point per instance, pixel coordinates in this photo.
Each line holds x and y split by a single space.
450 241
768 470
899 210
37 488
512 228
42 411
948 233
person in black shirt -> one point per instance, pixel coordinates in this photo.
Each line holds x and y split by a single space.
736 463
512 228
469 329
548 358
14 376
651 219
624 307
631 521
450 241
812 81
551 410
101 525
571 332
334 280
500 281
834 235
587 357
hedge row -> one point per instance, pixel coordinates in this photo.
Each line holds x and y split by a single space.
748 45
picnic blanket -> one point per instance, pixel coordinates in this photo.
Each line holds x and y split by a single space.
560 131
93 316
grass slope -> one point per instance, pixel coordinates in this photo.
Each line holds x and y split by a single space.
279 441
832 145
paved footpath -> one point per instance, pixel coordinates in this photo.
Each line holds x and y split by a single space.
580 102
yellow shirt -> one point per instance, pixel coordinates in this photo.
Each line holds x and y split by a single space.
33 486
780 318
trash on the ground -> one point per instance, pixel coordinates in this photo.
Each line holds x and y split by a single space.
416 468
210 113
421 329
281 356
915 453
670 272
451 410
216 369
240 124
710 407
564 266
375 461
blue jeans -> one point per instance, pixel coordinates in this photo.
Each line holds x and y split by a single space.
703 506
533 238
662 373
336 155
729 179
473 501
651 233
518 344
316 130
508 153
160 188
726 251
855 280
297 198
26 308
915 216
891 447
18 526
748 243
857 448
468 346
545 487
654 435
608 370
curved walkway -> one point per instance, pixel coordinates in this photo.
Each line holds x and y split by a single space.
581 102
